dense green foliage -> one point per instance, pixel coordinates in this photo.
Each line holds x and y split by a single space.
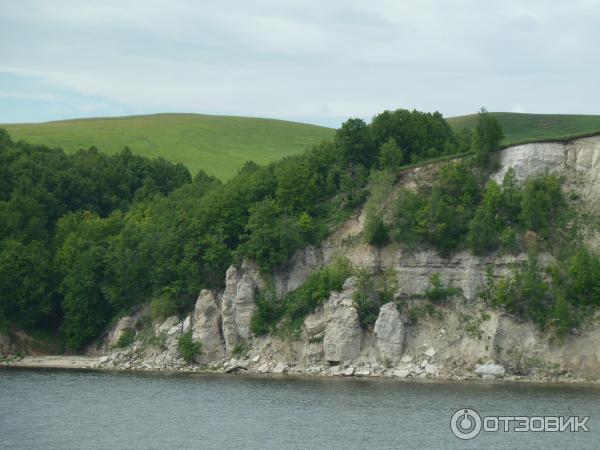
456 212
437 215
218 145
558 298
57 213
418 136
486 137
187 348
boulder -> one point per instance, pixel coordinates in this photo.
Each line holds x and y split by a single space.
486 370
348 372
169 324
389 329
187 324
400 373
280 368
315 323
430 352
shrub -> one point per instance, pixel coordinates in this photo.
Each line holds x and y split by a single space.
390 285
149 338
267 313
187 348
240 349
381 184
417 313
375 232
366 301
439 293
162 307
542 204
126 339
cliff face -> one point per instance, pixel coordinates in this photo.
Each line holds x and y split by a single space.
465 340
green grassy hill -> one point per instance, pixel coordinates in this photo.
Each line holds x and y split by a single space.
222 144
531 127
218 144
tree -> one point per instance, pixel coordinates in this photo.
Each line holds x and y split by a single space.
356 142
486 225
542 203
486 138
381 184
81 260
391 155
271 236
26 282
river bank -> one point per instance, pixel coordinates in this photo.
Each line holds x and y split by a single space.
96 364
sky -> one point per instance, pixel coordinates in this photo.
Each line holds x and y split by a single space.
307 60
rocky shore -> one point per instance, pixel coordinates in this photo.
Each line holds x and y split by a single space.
253 368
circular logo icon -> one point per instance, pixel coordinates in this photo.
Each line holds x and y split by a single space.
465 424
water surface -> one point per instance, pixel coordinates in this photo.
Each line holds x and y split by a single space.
72 409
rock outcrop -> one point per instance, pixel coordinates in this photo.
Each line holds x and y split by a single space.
207 326
341 341
237 303
389 330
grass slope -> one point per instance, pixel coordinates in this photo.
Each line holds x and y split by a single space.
519 128
218 144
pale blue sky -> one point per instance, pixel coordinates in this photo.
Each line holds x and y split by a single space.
315 61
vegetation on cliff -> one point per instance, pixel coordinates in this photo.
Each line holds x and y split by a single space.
87 237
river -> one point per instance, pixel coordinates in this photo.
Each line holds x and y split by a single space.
85 409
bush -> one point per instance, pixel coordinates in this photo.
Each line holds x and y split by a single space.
390 285
240 349
162 307
438 293
524 293
126 339
542 204
187 348
417 313
366 301
375 232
